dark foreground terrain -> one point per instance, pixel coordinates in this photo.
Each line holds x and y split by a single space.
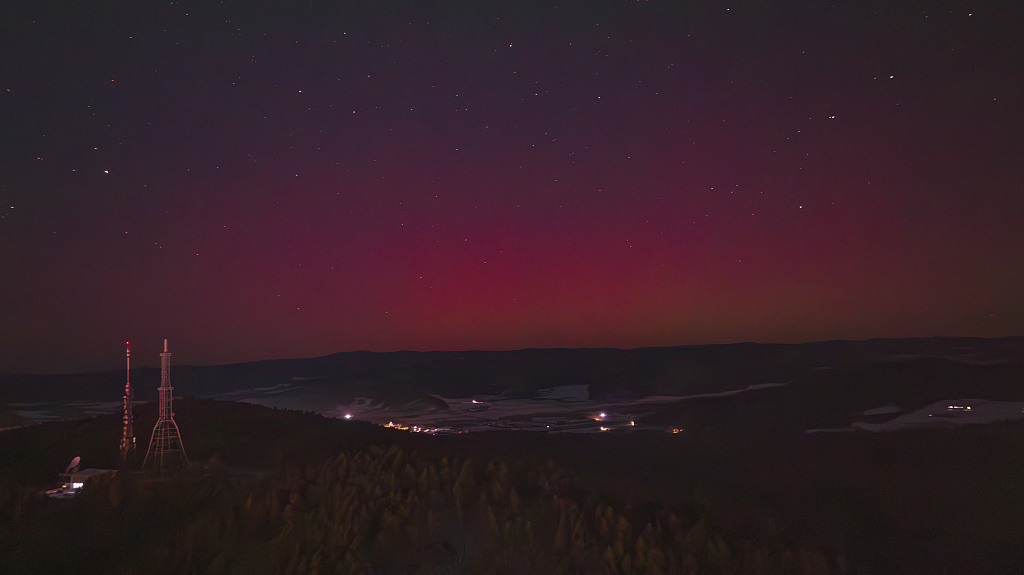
275 491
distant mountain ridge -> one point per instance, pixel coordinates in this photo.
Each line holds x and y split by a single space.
843 377
701 365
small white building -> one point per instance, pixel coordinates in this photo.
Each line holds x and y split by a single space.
75 480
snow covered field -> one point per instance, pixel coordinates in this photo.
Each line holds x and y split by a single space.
951 413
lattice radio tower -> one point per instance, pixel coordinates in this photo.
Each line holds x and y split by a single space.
165 445
128 436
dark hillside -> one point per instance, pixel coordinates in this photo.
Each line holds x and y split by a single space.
646 371
279 491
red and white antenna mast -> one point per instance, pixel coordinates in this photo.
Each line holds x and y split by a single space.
128 435
165 444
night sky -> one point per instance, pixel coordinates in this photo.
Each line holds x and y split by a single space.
257 180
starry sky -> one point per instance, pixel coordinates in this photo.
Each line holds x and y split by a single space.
257 180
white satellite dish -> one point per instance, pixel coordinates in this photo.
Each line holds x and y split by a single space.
73 466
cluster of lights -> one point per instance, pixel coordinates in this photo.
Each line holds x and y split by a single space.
955 408
435 430
418 429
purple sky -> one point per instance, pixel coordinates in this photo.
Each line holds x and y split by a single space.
260 180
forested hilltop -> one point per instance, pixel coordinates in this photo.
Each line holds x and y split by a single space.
274 491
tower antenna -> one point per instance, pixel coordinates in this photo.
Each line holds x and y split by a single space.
128 435
165 444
